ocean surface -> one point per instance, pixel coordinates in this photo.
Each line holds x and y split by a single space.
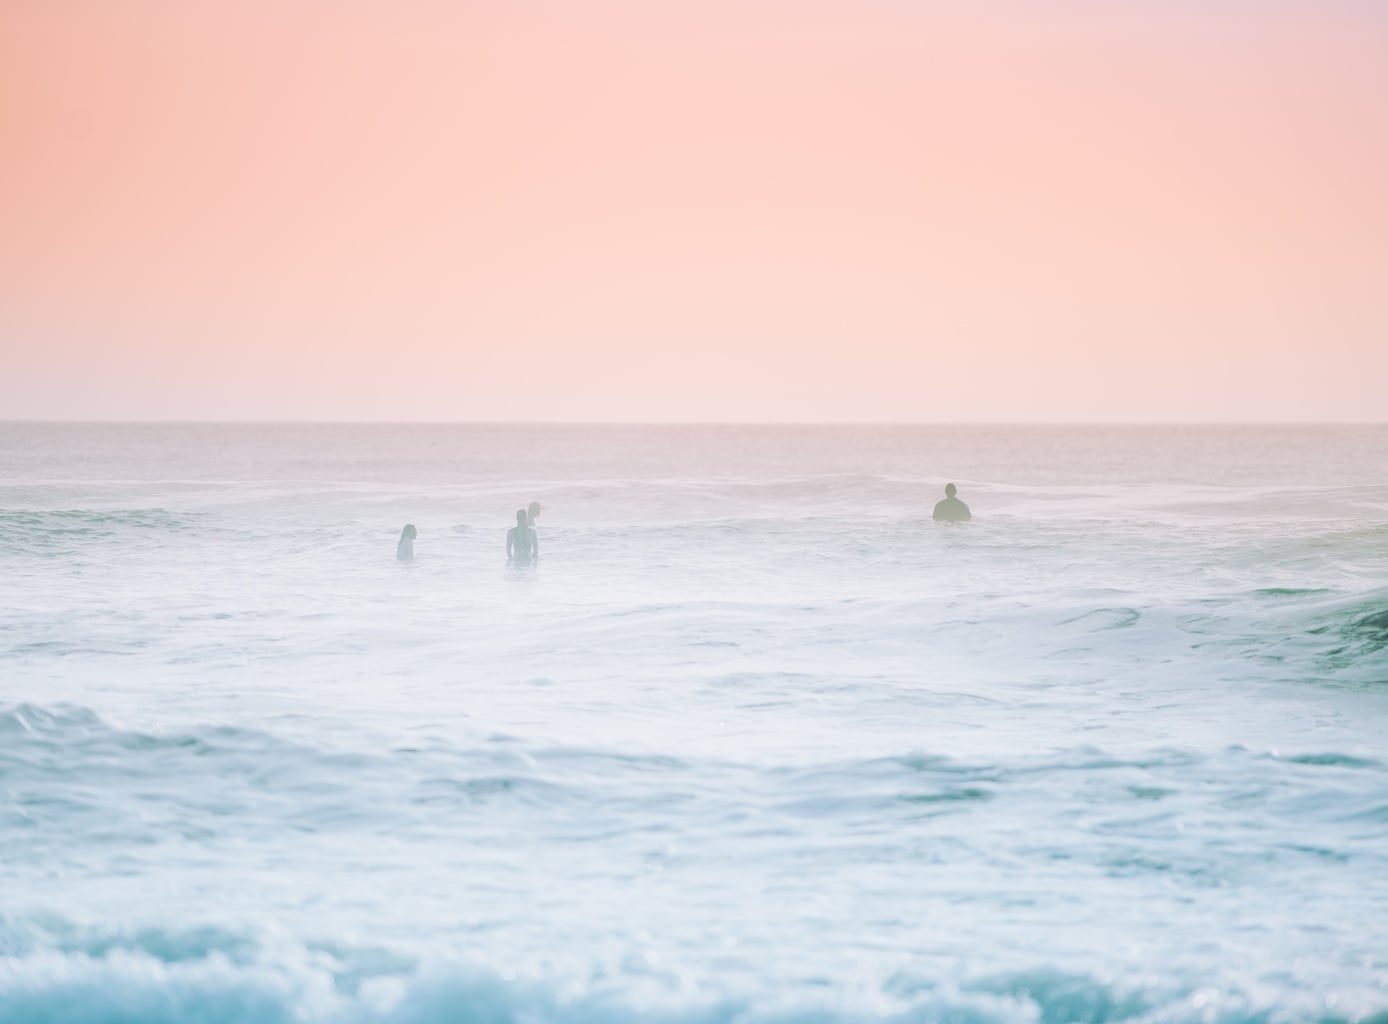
755 741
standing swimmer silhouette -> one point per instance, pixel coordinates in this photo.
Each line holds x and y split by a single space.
522 543
951 510
405 549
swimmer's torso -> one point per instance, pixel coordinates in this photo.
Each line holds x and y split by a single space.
522 543
952 510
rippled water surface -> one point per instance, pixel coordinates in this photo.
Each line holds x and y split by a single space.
755 741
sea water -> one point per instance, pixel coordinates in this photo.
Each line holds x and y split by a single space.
755 740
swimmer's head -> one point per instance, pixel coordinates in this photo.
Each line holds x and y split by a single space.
534 509
409 532
950 490
520 517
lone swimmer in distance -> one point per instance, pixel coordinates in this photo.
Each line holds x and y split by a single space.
951 510
522 543
404 550
533 512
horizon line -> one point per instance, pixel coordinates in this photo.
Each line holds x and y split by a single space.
173 422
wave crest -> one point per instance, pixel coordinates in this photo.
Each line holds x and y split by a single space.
294 984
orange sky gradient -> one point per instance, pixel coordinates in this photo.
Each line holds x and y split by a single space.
874 210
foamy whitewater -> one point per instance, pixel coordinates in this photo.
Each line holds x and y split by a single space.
755 741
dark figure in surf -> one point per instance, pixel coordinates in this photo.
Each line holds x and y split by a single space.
405 549
522 543
951 510
533 512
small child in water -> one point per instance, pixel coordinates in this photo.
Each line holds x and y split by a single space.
404 551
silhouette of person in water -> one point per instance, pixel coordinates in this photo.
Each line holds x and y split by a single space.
405 549
533 513
522 543
951 510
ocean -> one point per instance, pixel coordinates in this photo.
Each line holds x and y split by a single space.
754 741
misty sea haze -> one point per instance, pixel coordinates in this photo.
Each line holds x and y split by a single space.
755 741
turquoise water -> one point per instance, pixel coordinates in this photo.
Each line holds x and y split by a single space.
755 741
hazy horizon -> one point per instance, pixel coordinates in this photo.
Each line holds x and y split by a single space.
690 423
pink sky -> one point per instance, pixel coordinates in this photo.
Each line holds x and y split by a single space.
753 210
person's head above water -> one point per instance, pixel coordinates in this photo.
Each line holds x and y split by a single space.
535 509
520 517
950 509
409 532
